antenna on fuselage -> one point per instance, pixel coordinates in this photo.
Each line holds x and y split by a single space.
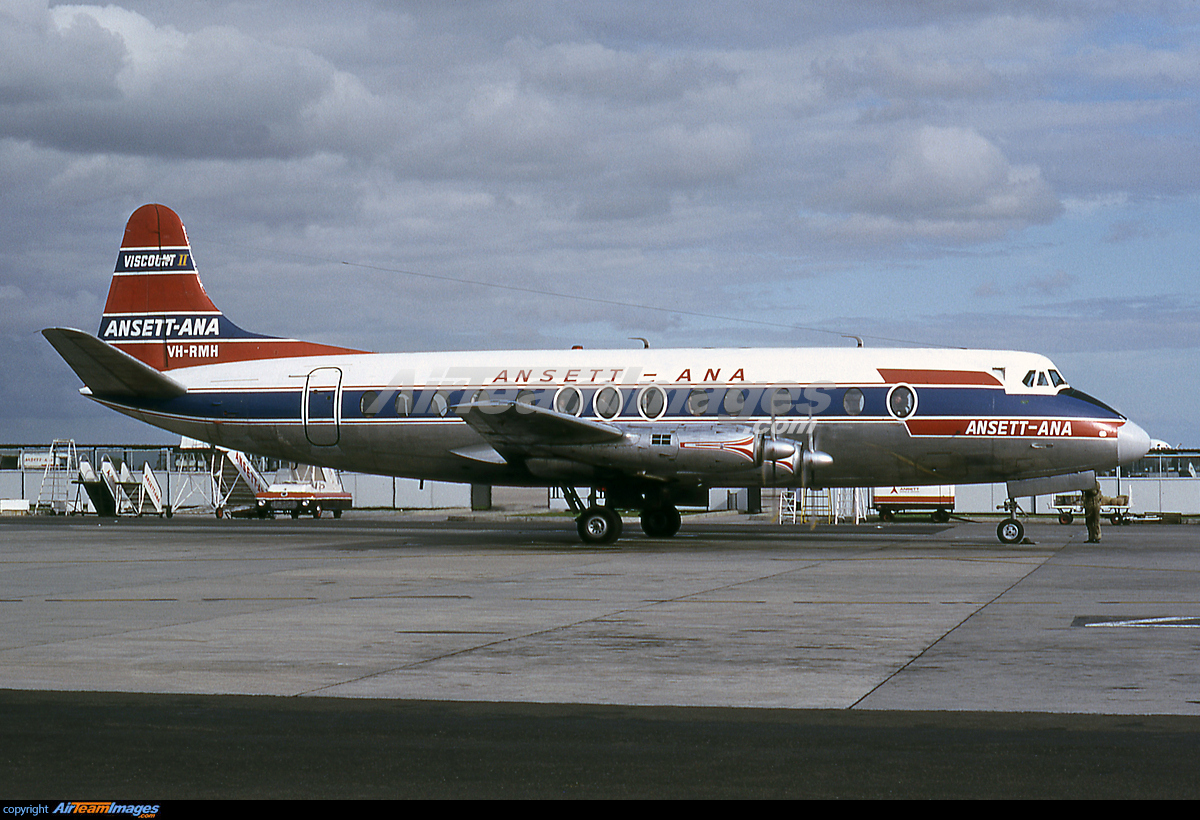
645 342
855 338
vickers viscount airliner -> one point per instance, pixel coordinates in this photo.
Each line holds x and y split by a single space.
649 430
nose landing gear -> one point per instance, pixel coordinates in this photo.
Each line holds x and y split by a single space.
1011 530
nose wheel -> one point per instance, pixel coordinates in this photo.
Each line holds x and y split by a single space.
1011 531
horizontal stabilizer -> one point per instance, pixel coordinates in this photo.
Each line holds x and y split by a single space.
108 372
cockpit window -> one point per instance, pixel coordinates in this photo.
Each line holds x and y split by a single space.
1042 380
1056 379
1029 377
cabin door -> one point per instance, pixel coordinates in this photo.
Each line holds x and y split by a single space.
322 406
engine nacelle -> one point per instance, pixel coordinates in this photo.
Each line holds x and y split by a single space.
668 450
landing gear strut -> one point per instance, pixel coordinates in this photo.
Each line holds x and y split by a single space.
601 524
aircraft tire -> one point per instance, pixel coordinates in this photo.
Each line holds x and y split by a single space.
940 516
599 525
660 522
1065 518
1010 531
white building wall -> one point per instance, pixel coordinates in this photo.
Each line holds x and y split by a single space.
1146 495
195 490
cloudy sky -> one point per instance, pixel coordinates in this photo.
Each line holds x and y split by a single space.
446 175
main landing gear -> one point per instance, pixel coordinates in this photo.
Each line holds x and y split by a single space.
661 522
601 524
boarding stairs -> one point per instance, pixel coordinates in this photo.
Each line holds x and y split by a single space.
55 496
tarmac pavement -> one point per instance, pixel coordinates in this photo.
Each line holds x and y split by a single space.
736 659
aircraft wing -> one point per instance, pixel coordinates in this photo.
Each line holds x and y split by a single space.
514 426
107 371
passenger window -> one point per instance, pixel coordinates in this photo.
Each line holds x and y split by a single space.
734 402
902 401
781 402
697 403
1029 377
403 404
652 402
440 403
607 402
369 404
569 401
853 401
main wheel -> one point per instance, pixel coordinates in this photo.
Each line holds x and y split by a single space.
1065 517
661 522
599 525
1010 531
940 515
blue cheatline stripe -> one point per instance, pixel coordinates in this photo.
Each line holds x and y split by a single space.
933 402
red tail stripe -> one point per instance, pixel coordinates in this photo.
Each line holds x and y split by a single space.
158 293
157 354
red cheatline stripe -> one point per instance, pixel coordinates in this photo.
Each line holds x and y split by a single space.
894 376
1014 428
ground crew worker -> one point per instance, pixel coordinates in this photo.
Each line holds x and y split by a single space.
1091 508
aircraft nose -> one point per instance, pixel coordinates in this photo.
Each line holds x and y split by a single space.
1132 443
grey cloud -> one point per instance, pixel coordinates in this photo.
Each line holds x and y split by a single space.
595 70
134 88
42 64
941 182
890 72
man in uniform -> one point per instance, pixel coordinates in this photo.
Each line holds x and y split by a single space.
1091 508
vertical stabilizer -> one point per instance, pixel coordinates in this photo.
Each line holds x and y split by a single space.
157 310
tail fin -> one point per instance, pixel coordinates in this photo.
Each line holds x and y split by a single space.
157 310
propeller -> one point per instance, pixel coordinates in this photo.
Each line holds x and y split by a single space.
774 450
811 458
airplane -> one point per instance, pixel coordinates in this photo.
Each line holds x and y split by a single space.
649 429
